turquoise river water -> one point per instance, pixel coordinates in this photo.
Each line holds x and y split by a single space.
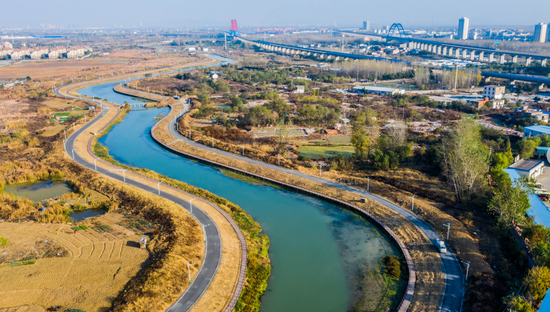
317 249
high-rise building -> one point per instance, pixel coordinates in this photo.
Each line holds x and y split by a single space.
366 25
540 32
463 25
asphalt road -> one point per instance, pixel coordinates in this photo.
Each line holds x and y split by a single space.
213 250
454 289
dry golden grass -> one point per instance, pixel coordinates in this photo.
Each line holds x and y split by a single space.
15 124
92 269
52 130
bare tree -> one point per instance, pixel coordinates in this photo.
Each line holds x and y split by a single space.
465 159
397 135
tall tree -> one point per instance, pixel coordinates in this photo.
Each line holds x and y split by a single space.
359 137
465 159
510 204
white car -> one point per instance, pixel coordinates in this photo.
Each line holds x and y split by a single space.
441 245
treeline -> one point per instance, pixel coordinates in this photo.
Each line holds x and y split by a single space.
375 70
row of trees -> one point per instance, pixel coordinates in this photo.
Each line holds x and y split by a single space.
467 163
375 70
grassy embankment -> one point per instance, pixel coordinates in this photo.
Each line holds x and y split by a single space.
258 264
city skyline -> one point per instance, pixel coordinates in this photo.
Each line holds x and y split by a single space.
423 14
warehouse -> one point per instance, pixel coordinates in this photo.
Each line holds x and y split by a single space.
377 90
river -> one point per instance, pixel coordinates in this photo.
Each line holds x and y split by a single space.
324 258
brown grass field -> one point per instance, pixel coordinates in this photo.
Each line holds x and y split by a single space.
92 269
117 62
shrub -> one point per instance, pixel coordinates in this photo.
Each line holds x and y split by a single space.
393 266
3 241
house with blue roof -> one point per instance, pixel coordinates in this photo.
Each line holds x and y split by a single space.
536 130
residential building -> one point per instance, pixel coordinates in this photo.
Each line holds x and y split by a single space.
57 52
5 51
531 113
37 53
6 45
541 30
299 89
528 167
463 27
494 92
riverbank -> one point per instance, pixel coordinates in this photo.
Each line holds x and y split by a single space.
432 281
257 263
232 268
120 88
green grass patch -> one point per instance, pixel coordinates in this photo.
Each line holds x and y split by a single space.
76 228
245 178
83 227
325 151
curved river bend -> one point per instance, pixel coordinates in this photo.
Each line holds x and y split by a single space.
323 256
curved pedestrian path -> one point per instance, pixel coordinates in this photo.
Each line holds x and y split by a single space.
454 282
213 240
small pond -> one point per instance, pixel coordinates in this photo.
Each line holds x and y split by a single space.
223 106
83 214
39 191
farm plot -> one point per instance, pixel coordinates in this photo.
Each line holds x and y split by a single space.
339 139
272 131
312 151
84 270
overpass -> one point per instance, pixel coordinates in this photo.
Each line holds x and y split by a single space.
451 49
322 54
470 52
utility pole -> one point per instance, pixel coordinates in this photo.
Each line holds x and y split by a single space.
243 150
95 164
191 205
467 267
412 206
158 185
448 225
188 270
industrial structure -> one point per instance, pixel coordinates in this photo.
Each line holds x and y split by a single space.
463 28
541 30
234 30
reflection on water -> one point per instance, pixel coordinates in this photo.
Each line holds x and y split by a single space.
38 191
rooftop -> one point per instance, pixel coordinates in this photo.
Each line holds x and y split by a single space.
538 211
526 164
537 128
372 88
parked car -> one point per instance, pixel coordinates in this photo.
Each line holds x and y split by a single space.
441 245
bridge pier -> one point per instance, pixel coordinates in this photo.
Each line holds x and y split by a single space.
528 61
491 57
444 51
543 62
481 56
502 58
472 55
438 49
464 53
457 53
514 59
450 51
411 45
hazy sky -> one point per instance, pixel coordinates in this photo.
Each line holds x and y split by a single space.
218 13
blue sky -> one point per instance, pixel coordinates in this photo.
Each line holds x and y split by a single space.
289 13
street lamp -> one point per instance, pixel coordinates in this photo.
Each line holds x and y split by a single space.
95 164
191 205
412 206
158 185
448 225
123 173
467 267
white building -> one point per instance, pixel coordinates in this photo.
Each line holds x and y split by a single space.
528 168
463 27
494 92
540 32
